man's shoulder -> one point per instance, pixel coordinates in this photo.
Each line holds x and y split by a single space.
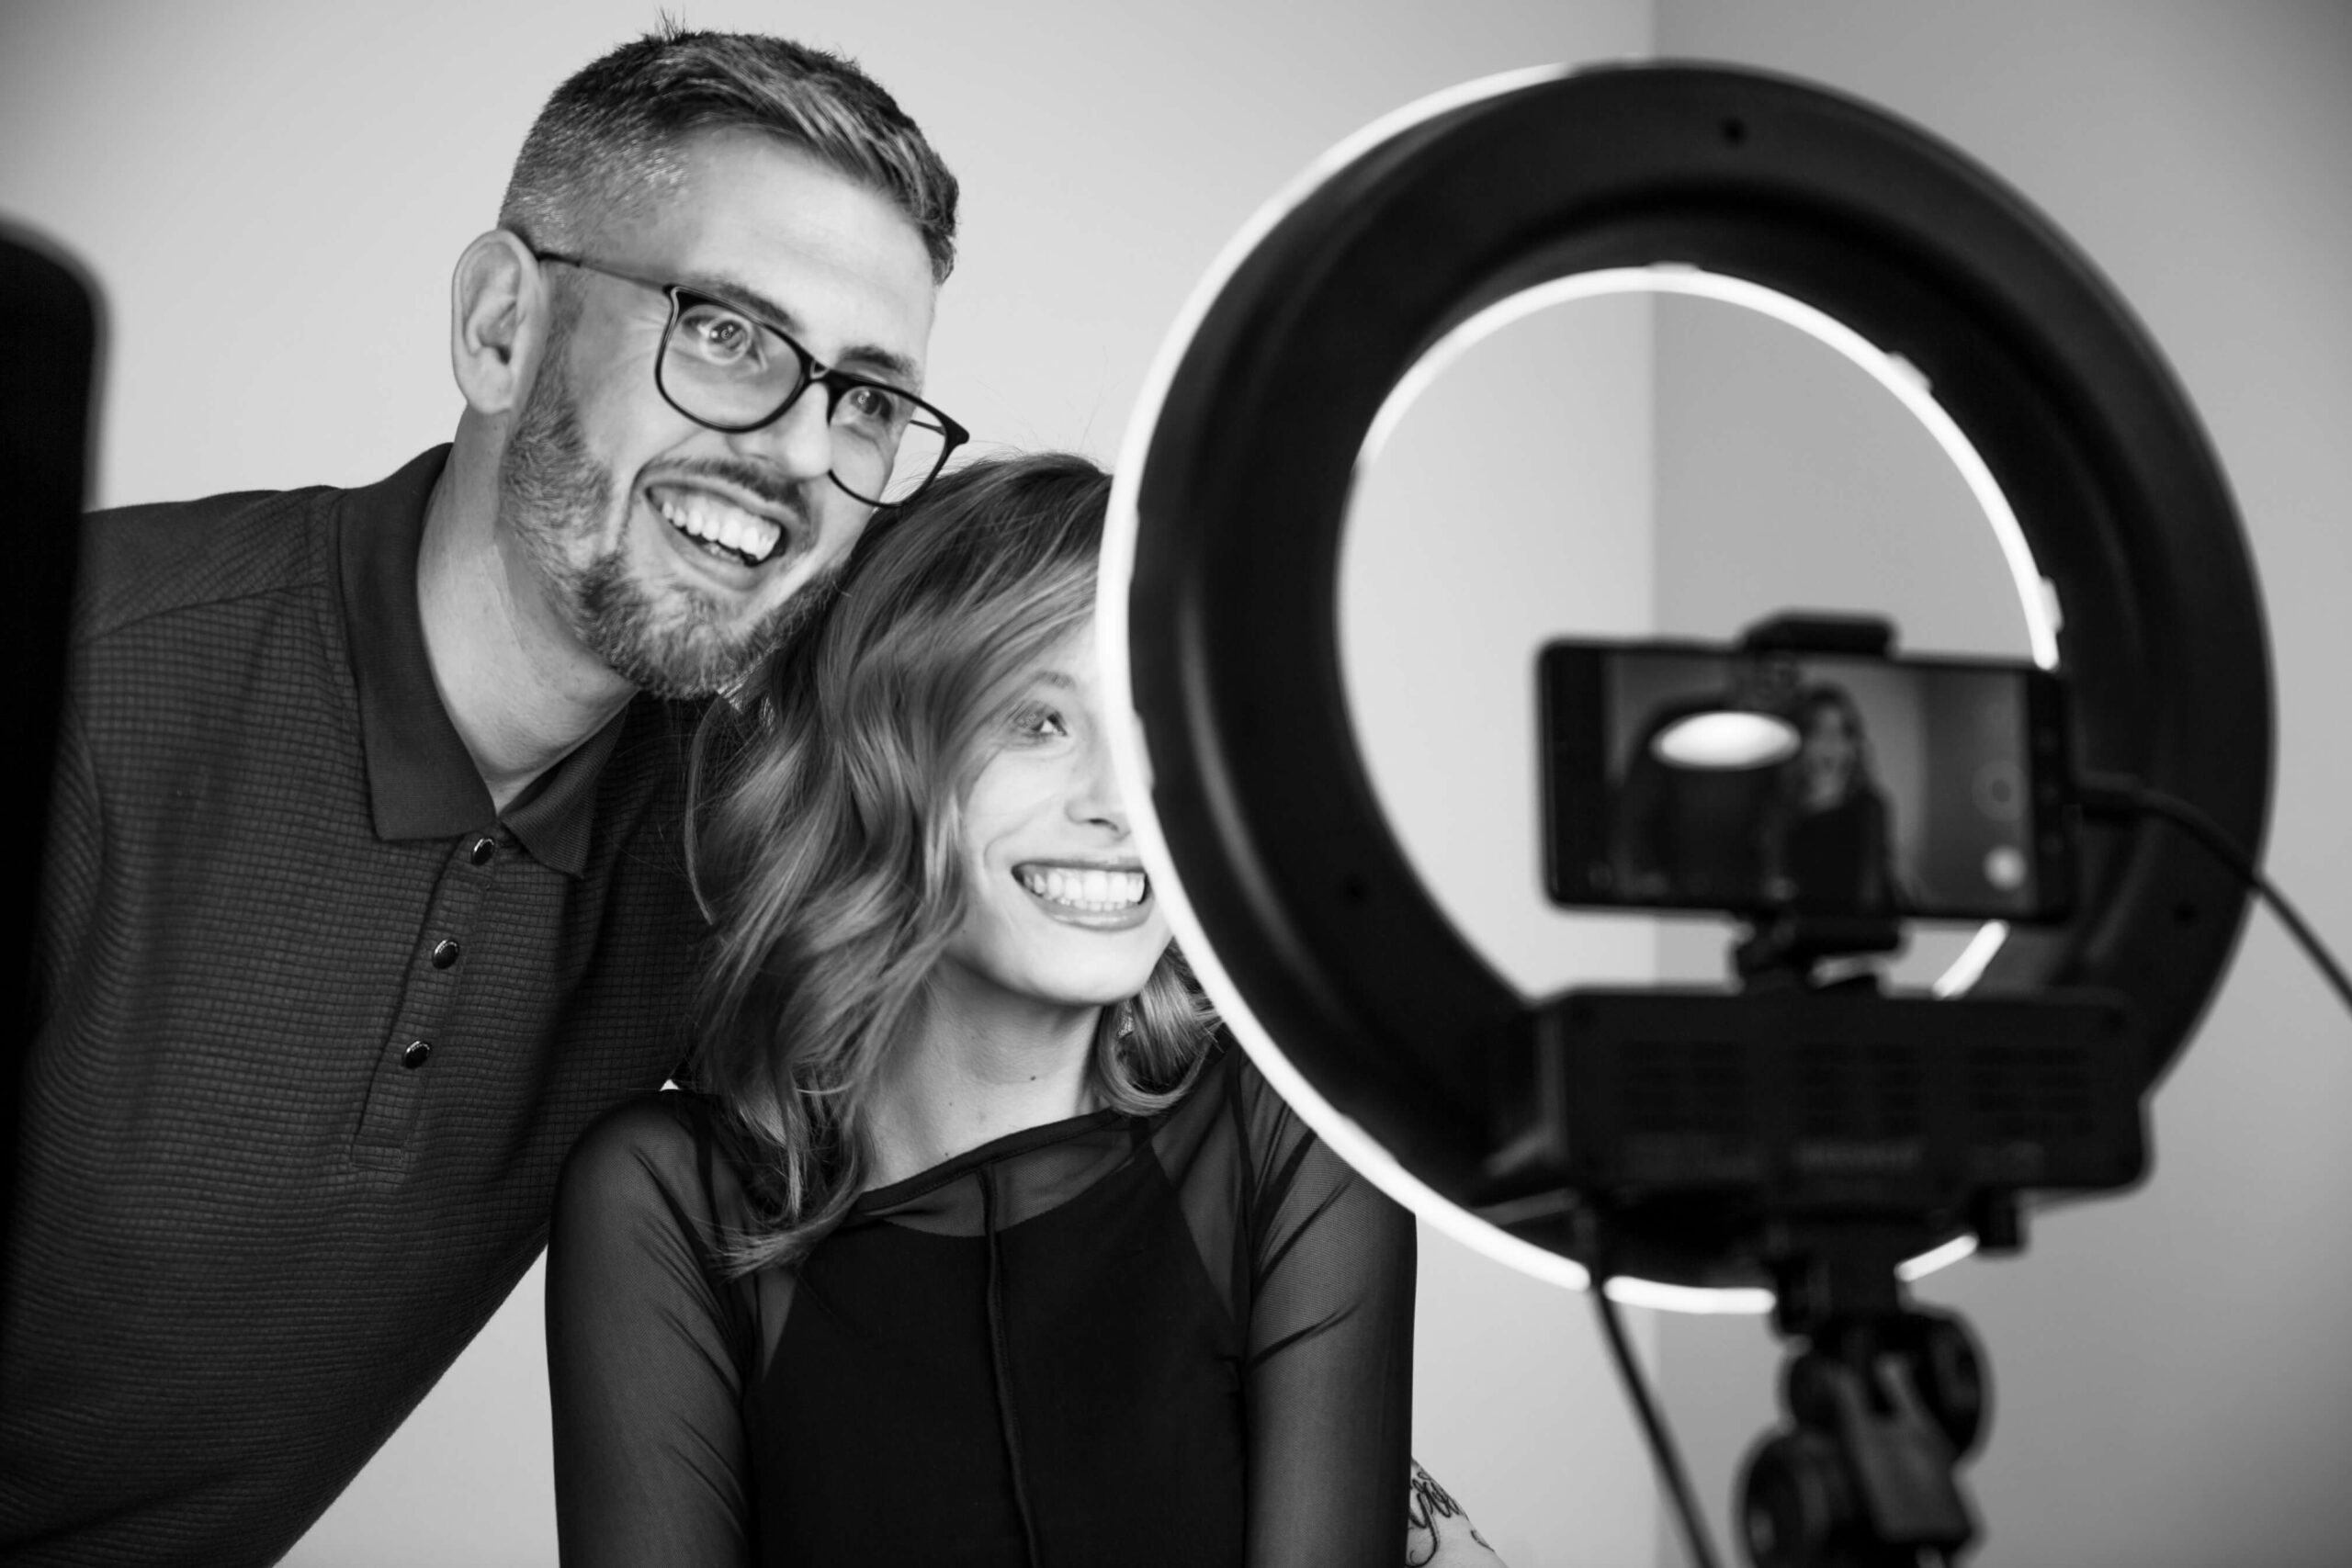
140 561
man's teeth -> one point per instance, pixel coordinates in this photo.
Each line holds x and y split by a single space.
706 517
1096 891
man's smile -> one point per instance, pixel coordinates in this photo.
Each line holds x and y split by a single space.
718 523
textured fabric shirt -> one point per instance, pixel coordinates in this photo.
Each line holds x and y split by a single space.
1150 1341
318 1025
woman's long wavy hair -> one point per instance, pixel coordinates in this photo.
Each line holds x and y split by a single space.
1805 710
824 838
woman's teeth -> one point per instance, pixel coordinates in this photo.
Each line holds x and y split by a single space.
1096 891
703 516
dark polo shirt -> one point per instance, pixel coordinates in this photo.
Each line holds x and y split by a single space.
319 1027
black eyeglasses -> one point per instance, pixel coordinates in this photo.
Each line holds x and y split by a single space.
724 367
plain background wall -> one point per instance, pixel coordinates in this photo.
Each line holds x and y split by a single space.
2170 1381
273 192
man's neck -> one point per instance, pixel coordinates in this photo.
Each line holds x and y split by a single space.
520 693
967 1075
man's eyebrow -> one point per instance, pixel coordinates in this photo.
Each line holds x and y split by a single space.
868 359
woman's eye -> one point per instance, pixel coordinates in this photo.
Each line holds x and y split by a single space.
1037 722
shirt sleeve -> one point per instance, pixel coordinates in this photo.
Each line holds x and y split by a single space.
1329 1384
71 865
644 1372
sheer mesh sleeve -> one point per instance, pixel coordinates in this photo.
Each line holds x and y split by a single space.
643 1365
1328 1382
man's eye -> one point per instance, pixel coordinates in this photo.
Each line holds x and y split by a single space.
875 408
718 336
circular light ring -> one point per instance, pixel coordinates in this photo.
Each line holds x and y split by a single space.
1897 375
1332 963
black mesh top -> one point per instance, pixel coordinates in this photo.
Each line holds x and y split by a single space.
1180 1339
319 1027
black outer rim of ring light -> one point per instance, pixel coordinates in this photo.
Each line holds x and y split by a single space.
1259 788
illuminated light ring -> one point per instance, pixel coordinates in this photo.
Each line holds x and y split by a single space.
1898 375
1829 203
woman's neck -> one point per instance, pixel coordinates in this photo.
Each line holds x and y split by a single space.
973 1069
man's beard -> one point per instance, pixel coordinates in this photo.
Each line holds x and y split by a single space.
551 493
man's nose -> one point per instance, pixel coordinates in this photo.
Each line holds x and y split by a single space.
799 441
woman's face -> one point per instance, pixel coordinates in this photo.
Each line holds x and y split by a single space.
1830 752
1060 910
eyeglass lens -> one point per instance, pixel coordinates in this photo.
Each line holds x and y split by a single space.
724 370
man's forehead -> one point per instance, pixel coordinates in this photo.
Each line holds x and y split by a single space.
767 225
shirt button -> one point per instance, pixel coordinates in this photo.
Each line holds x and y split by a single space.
445 952
417 1053
481 850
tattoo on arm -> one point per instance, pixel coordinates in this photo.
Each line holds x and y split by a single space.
1426 1503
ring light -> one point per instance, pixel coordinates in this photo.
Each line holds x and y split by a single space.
1291 895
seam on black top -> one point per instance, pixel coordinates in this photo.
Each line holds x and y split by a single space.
1244 1287
1282 1184
1000 1362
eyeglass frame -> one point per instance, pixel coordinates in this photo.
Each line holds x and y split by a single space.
813 372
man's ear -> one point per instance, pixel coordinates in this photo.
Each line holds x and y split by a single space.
498 321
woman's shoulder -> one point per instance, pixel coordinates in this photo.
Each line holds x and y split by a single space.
1231 1104
1260 1113
1249 1145
651 1149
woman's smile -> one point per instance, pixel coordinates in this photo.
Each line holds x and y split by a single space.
1101 897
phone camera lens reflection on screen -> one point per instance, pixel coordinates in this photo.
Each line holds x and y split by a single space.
2005 867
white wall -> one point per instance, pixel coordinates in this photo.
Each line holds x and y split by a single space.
272 193
2169 1378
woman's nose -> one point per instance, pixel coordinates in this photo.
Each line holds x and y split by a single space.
1095 797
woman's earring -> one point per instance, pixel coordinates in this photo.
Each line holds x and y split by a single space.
1126 1019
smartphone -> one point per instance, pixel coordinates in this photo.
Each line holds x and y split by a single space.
1697 777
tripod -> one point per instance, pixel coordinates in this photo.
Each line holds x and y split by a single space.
1880 1400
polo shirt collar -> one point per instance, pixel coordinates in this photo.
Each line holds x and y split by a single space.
422 783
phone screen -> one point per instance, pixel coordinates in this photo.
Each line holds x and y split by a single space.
1694 777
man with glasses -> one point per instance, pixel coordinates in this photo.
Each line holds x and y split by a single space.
365 894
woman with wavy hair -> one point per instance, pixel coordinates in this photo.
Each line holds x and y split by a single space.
1827 838
969 1242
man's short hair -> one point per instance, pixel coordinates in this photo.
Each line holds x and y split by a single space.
615 133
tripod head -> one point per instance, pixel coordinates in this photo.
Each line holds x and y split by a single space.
1880 1402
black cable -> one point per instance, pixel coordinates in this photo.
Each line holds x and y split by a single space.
1663 1452
2112 797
